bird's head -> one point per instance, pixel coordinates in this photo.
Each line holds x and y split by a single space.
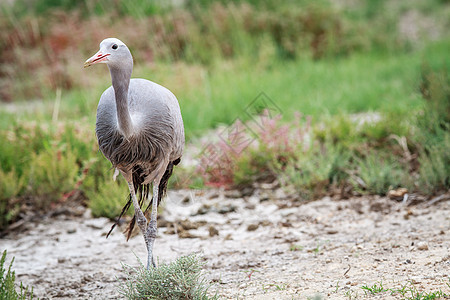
113 52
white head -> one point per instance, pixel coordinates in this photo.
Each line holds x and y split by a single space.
113 52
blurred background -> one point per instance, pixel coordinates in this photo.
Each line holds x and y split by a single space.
369 78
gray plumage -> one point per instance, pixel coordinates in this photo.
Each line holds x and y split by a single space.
140 130
156 136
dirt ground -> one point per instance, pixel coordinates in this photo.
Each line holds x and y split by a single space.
257 245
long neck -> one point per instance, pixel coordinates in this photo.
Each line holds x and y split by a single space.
120 81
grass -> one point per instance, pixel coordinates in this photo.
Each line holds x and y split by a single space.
372 156
318 89
255 46
324 61
29 167
49 161
181 279
374 289
407 291
8 285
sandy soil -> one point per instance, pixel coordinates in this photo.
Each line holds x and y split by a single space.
258 246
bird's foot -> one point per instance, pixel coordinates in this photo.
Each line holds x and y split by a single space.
153 263
150 236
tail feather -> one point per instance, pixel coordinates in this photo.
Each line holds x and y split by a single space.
143 190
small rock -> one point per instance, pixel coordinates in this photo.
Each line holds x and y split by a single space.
265 223
233 194
252 227
408 214
422 246
285 224
246 192
97 223
264 198
187 225
376 207
214 195
228 237
213 231
171 229
250 206
226 209
280 194
269 186
186 235
61 260
289 211
358 207
71 230
162 222
204 209
397 194
87 278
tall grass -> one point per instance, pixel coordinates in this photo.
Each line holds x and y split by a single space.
369 154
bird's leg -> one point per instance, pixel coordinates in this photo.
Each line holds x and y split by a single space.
150 233
139 215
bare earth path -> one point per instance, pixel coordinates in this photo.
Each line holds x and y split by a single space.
256 247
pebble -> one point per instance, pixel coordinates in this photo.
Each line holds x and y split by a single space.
71 230
204 209
97 223
252 227
213 231
422 246
226 209
187 235
61 260
233 194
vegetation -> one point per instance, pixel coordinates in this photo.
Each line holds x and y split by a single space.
407 291
374 100
181 279
367 156
8 283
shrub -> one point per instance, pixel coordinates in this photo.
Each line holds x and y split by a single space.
44 164
10 186
435 89
8 284
51 173
376 174
253 151
433 131
181 279
109 199
434 171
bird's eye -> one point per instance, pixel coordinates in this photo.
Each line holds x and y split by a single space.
114 46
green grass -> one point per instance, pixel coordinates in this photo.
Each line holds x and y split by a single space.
374 289
359 83
328 90
8 285
228 55
181 279
407 291
313 88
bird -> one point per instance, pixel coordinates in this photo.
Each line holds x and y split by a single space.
140 130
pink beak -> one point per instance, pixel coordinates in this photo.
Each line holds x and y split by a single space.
97 58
